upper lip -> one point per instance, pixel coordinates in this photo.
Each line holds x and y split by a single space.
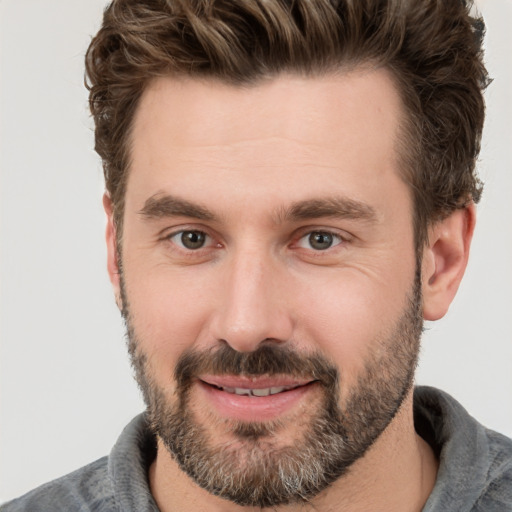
258 382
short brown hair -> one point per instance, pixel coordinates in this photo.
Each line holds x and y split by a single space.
432 48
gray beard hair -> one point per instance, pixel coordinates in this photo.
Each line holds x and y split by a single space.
257 471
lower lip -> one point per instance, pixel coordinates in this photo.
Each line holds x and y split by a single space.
254 408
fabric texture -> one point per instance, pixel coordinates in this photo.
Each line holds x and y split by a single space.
475 472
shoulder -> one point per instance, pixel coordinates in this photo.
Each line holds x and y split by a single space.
88 488
475 463
497 492
115 483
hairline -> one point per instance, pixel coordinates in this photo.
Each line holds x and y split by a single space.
404 136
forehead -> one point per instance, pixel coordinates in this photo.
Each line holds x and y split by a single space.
287 134
286 105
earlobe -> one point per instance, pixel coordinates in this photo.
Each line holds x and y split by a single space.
112 252
445 259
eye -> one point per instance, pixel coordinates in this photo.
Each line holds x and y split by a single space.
190 239
319 240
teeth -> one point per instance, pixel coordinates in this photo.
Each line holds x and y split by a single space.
261 392
242 391
257 392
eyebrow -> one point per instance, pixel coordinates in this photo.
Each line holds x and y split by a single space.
164 205
333 207
160 206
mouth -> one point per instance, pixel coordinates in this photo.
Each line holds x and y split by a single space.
254 399
257 391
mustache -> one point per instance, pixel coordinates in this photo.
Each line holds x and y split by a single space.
269 359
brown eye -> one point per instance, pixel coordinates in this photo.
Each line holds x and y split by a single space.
191 240
320 240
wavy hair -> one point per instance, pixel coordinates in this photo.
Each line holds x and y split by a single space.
433 49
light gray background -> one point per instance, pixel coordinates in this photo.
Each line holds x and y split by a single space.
66 386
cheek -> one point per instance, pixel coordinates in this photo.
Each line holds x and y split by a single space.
347 319
168 313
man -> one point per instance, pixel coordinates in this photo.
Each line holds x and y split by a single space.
290 192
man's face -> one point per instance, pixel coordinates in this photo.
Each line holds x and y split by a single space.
269 277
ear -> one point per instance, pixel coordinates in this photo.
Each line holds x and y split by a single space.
112 251
445 259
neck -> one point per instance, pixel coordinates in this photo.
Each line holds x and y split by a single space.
396 474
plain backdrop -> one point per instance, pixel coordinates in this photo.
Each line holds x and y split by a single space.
66 385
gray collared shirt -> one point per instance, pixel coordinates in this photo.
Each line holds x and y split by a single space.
475 471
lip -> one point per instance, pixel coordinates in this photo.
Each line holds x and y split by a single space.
253 408
234 381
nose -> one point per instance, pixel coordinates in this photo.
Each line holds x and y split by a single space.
253 308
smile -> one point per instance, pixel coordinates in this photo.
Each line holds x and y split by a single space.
256 392
253 399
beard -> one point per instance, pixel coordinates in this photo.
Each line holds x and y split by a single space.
254 468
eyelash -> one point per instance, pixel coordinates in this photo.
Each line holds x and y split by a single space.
181 232
337 240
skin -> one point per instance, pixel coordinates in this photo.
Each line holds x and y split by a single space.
247 155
